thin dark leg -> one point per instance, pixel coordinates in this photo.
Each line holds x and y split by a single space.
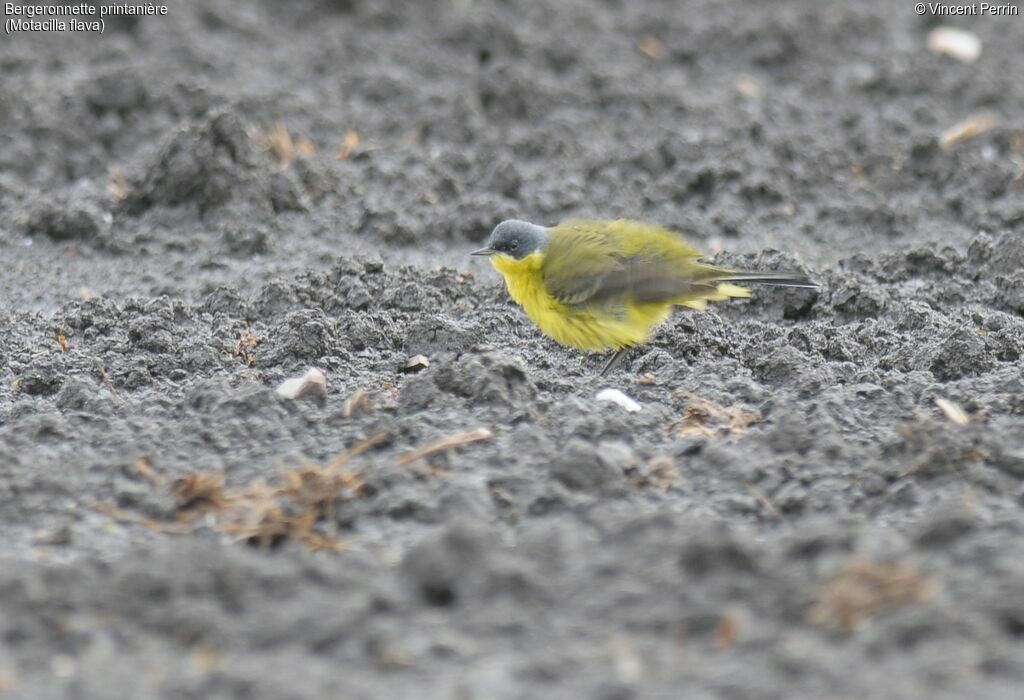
611 362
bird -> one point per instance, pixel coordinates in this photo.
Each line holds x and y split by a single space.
604 285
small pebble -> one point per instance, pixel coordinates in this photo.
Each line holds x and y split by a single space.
953 411
312 383
619 399
416 363
959 43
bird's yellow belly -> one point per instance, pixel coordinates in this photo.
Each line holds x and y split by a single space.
594 328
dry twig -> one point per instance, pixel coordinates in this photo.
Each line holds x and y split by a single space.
243 348
448 443
969 128
279 143
863 588
291 509
349 144
705 418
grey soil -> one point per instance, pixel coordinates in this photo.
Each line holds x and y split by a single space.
792 514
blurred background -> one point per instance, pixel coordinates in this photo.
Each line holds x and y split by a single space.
257 138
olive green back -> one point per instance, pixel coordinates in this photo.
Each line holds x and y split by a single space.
616 262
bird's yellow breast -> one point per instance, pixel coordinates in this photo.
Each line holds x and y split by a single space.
595 328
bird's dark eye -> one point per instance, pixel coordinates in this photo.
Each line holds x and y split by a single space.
513 245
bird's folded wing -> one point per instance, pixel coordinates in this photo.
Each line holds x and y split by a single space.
646 281
589 267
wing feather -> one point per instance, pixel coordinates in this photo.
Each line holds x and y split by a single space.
617 262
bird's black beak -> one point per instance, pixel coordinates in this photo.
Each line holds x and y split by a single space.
484 251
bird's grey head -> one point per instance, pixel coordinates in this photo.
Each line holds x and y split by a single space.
516 239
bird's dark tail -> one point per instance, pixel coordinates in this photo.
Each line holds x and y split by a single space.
778 279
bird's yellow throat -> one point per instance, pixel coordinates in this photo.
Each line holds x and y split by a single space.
582 328
522 277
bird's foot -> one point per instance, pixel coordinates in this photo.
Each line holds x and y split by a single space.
612 361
